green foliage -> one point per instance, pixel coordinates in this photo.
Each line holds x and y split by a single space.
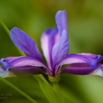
51 95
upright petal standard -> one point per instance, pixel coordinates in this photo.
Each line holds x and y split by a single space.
55 47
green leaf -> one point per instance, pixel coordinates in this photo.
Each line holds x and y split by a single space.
17 89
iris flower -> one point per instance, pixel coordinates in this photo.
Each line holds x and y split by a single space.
55 47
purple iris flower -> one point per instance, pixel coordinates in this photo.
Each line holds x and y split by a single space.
55 47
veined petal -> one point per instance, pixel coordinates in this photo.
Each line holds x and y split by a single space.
60 49
61 20
48 39
25 42
93 56
89 55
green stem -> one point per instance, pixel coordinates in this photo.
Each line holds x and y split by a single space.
55 81
57 89
8 32
5 28
17 89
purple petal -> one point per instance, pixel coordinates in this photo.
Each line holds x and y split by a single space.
24 62
9 59
80 69
77 58
60 49
84 69
25 43
26 70
93 56
61 20
48 39
5 61
28 61
89 55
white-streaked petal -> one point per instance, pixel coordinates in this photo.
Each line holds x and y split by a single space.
76 58
25 63
48 39
97 72
28 61
6 73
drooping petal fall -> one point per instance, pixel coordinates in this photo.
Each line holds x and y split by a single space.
93 56
80 69
26 70
78 64
84 69
25 63
84 64
77 58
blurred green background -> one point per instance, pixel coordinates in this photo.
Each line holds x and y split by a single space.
85 24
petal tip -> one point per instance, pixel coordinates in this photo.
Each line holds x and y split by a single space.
61 21
13 29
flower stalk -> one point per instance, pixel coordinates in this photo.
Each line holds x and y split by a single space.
56 87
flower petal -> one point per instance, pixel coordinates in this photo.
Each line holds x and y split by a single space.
89 55
60 49
76 58
26 70
98 70
93 56
25 43
9 59
80 69
6 61
48 39
84 69
24 62
4 73
61 20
